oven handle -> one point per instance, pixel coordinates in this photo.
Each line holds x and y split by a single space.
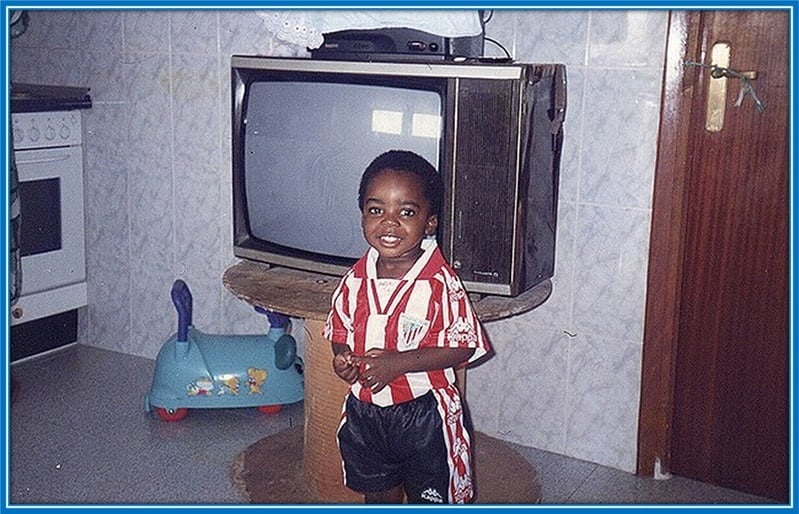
43 160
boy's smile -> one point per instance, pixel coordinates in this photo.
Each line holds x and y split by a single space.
396 218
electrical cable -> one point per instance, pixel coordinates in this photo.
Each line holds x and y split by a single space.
505 50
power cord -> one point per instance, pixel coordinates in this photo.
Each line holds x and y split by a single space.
505 50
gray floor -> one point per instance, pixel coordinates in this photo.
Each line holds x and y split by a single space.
79 435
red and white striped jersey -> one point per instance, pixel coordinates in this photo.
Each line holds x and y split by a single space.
428 307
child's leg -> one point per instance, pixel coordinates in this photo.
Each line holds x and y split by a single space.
395 495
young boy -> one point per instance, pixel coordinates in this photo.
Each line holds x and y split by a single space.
400 324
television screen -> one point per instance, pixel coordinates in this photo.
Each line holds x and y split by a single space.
311 141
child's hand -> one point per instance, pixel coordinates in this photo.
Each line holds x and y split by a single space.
378 368
345 367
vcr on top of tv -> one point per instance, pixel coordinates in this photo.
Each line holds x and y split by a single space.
397 44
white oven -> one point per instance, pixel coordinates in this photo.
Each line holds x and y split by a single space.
49 158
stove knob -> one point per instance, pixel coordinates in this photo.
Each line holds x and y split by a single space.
17 313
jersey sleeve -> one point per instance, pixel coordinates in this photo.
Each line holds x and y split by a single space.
338 326
457 325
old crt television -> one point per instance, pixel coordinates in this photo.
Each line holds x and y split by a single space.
304 130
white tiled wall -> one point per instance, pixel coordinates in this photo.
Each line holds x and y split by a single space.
566 376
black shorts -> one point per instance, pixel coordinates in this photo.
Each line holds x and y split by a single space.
407 444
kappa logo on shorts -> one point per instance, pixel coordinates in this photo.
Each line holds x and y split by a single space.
432 496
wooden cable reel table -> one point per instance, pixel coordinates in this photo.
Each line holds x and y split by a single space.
305 295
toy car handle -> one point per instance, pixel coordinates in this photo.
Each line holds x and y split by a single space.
285 346
276 319
181 297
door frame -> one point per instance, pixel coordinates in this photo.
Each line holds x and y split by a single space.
667 241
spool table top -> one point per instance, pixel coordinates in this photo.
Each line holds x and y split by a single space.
303 294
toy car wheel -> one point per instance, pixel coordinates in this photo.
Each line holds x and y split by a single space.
171 414
270 409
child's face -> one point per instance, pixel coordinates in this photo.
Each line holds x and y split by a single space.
396 217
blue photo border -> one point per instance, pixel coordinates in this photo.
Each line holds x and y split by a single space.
9 5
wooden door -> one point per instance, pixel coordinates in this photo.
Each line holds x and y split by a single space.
714 404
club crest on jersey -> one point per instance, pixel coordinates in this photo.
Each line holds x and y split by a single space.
410 331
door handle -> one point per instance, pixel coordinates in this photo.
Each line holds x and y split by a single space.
717 88
42 160
720 72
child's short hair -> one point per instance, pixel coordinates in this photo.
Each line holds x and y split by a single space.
403 160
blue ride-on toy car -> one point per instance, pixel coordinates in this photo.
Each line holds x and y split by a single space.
195 370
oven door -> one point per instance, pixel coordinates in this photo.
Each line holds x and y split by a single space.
51 232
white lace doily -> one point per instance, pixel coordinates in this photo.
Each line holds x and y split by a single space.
306 28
